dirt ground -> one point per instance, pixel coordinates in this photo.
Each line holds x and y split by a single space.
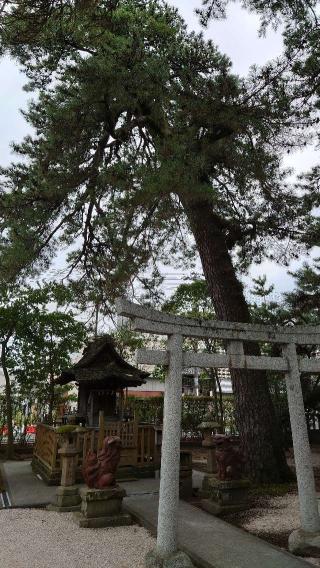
271 517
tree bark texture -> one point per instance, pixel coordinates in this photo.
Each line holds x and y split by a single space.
51 400
51 383
260 434
9 413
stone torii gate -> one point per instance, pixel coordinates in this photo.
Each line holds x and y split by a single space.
233 334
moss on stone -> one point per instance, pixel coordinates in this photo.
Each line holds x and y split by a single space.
272 490
215 483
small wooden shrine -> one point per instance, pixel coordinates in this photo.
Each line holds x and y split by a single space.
102 376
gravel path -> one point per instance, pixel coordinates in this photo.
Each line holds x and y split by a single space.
274 517
274 513
33 538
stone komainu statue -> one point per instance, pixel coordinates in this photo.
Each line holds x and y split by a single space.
230 461
99 470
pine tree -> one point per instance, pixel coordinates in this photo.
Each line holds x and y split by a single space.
141 135
304 300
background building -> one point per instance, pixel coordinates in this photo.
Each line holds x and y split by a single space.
191 385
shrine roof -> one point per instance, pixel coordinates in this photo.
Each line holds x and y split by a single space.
101 363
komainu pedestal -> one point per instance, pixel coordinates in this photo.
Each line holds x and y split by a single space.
176 560
101 501
226 496
102 508
227 492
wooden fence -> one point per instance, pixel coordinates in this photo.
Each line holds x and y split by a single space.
140 454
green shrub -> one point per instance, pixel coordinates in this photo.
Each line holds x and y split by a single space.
194 409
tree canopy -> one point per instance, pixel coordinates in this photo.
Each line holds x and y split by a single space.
126 125
38 338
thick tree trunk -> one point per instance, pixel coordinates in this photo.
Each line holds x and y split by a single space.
221 405
51 400
9 413
51 382
260 434
215 394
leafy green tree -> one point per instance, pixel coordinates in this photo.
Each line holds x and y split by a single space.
193 300
14 321
128 341
142 134
36 344
304 306
267 309
299 307
305 298
40 359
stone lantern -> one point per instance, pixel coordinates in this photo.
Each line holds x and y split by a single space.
208 426
67 494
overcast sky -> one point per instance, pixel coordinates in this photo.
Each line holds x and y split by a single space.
237 37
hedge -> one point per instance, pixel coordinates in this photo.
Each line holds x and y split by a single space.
194 409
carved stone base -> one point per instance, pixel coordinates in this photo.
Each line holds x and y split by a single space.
67 500
304 543
102 508
217 509
176 560
121 520
205 490
225 496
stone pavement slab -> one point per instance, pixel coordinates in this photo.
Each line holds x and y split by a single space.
141 486
24 487
145 486
211 542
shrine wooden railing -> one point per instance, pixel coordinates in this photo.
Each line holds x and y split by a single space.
126 431
139 448
148 452
46 446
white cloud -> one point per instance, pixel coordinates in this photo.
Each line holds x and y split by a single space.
12 98
237 36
